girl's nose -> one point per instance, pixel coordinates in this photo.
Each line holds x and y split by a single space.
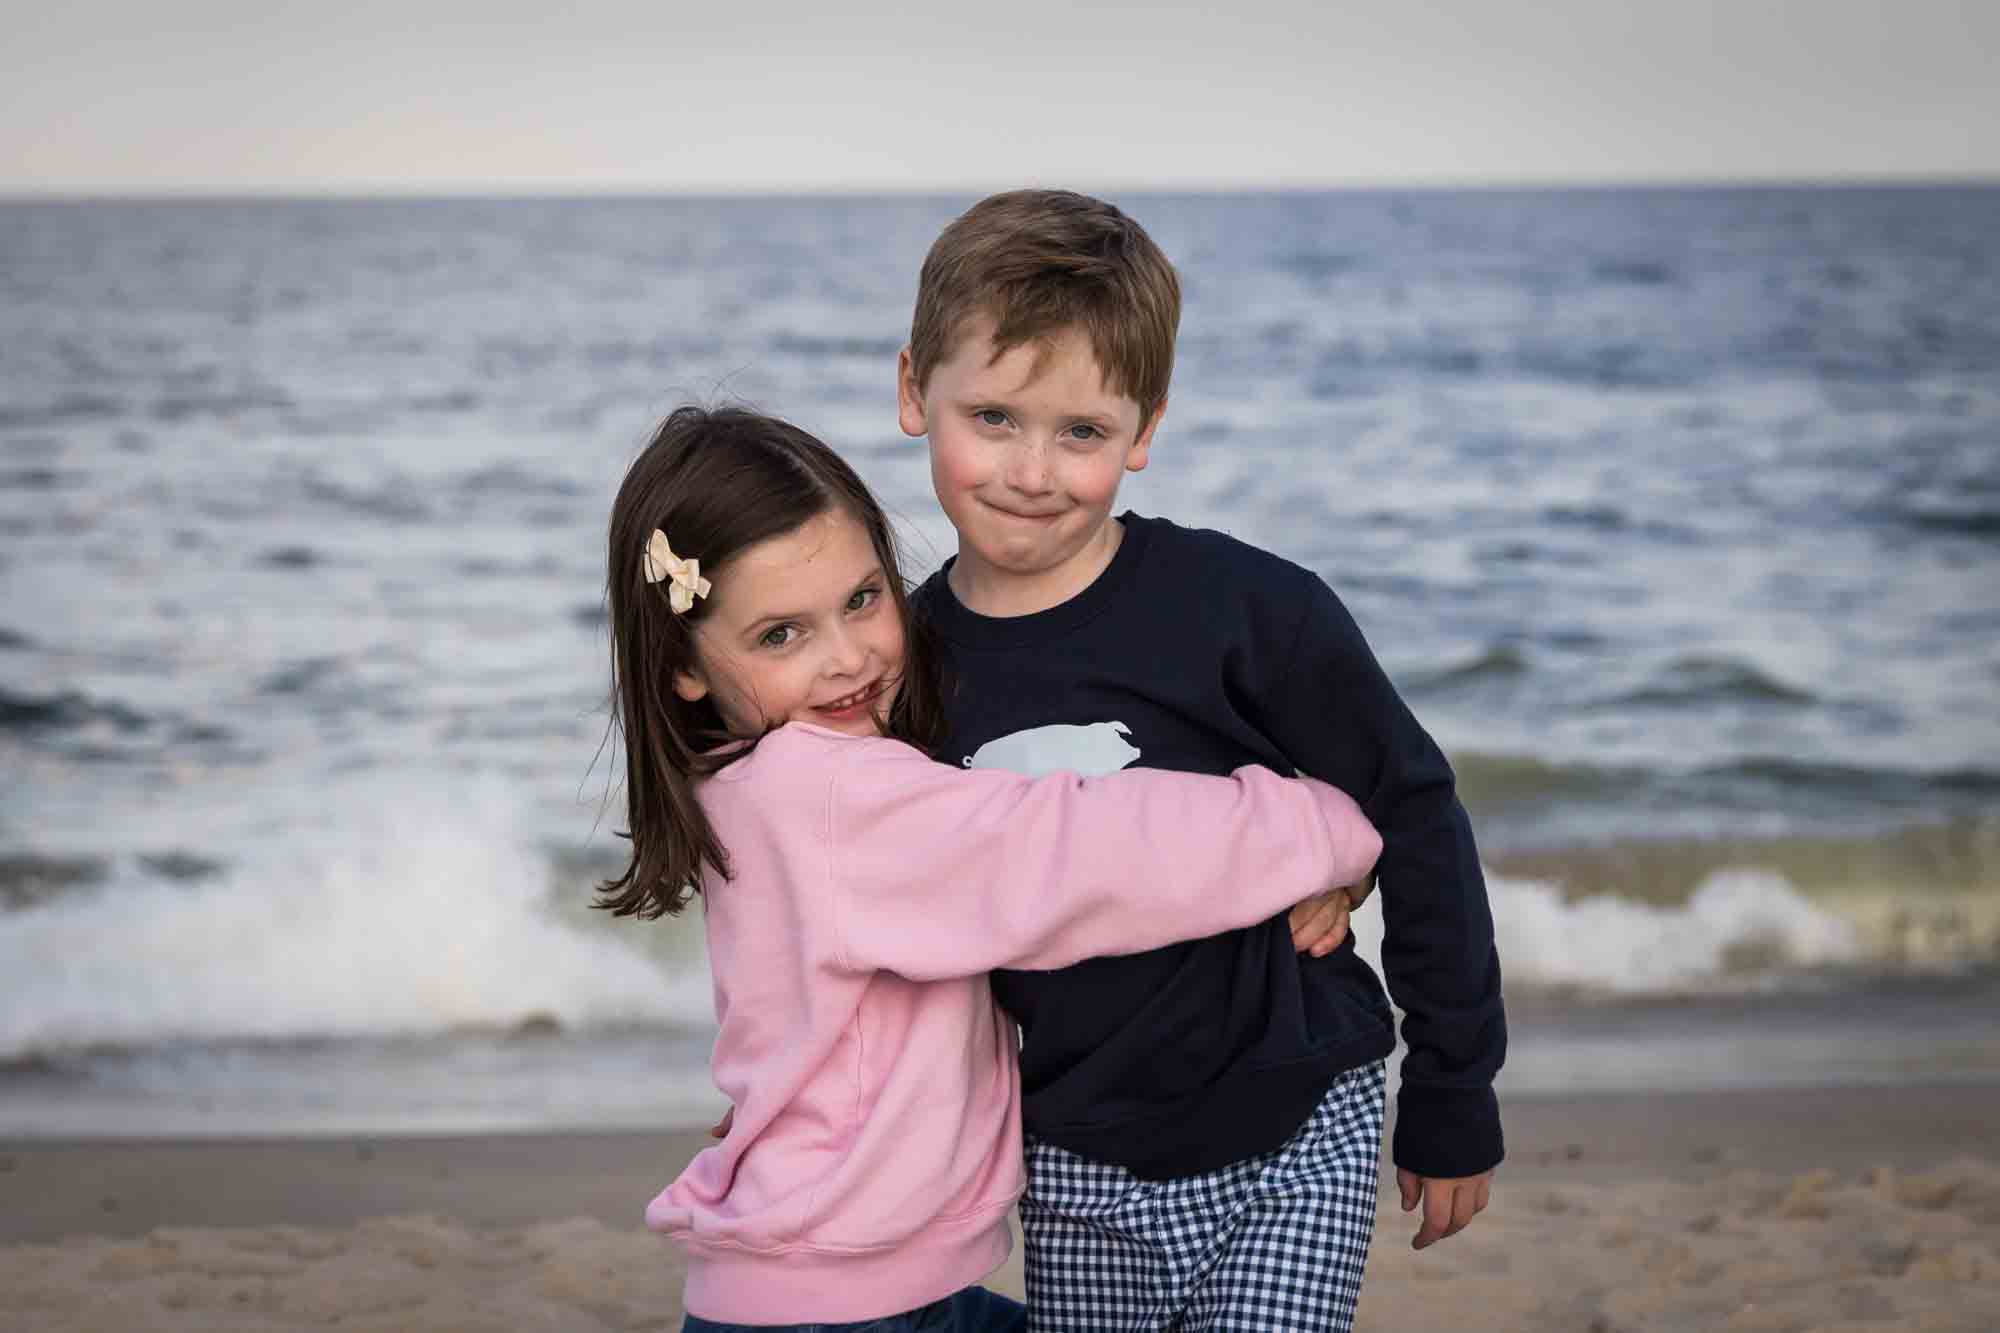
846 653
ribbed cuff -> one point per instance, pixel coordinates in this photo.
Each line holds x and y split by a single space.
1447 1132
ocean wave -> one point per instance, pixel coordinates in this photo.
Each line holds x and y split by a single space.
395 501
302 677
1954 520
1954 858
490 567
508 479
91 730
1353 368
66 409
1857 780
1920 898
290 557
1736 925
1500 662
1698 682
183 867
1487 781
415 910
442 403
33 478
65 711
1350 366
1315 266
176 408
1598 517
1634 273
1739 929
421 910
1602 365
818 348
28 878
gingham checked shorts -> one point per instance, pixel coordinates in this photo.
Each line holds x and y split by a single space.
1274 1242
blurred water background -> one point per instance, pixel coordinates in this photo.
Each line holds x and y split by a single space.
1675 513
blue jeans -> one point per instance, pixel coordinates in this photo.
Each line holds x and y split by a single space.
973 1310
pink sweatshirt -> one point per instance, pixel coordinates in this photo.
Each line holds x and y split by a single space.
876 1148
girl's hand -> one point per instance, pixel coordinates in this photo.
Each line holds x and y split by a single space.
1320 924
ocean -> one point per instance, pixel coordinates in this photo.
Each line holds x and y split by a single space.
1675 513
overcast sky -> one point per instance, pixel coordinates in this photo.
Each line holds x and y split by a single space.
501 96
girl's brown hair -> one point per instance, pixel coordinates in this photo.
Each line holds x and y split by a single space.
717 482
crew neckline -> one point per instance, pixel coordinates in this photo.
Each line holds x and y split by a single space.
736 771
955 621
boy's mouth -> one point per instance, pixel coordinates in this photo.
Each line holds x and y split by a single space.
1027 515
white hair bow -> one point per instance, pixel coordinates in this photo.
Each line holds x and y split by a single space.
682 577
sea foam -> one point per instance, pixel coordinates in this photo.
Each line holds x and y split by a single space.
1738 925
406 911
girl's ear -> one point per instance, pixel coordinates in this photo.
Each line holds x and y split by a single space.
690 686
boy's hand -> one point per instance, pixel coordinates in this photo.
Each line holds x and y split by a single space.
1449 1203
1320 924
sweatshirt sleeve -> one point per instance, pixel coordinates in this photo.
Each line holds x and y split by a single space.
1332 710
943 872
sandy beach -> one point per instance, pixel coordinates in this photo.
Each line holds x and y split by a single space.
1789 1210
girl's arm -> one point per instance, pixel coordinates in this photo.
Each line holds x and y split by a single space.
942 872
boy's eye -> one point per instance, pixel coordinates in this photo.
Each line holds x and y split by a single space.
993 417
1084 432
863 597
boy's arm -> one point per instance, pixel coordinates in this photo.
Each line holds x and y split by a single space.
944 872
1330 707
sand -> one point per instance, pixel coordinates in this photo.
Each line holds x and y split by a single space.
1853 1209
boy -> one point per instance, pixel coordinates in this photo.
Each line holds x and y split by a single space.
1204 1122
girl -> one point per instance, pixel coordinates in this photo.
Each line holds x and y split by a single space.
771 687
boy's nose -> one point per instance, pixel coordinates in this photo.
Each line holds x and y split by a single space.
1028 469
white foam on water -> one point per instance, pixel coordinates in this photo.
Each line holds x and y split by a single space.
1736 921
409 907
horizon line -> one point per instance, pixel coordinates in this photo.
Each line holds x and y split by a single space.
553 190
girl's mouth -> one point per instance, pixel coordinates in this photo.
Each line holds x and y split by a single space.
853 705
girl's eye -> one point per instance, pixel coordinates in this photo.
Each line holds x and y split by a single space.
863 597
777 636
993 417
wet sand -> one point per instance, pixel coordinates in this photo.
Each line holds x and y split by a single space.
1778 1210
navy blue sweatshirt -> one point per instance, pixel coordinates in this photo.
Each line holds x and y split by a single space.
1196 652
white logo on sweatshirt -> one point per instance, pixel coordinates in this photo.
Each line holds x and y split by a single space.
1090 751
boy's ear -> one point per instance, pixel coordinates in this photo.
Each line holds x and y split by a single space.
909 398
1142 448
690 686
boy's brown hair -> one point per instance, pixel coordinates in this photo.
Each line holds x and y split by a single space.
1041 262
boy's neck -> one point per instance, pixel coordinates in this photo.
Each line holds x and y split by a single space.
988 590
